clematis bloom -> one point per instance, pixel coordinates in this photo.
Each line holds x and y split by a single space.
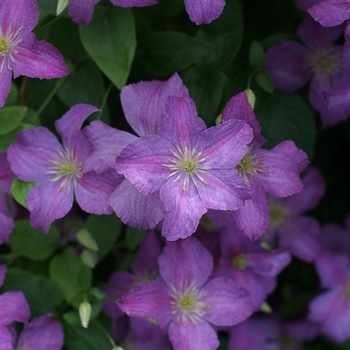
20 51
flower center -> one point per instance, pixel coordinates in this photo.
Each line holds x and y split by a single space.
67 167
240 261
187 163
250 164
7 43
278 215
324 62
187 304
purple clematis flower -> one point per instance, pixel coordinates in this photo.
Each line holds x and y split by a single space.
297 232
191 166
20 51
200 11
184 301
59 171
144 108
274 171
318 60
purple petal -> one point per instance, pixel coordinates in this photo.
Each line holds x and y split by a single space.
309 197
13 307
48 201
41 333
6 222
148 254
6 174
181 124
106 144
185 261
144 103
92 192
330 12
331 310
30 155
38 59
336 238
142 161
316 36
183 210
184 335
253 217
302 237
2 273
5 338
81 10
225 190
133 3
136 209
221 218
332 269
69 129
239 108
18 13
149 300
225 144
5 82
204 11
229 302
289 77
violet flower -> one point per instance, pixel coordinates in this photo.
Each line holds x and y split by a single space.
20 51
297 232
184 301
331 309
144 108
191 166
37 156
317 59
200 11
274 171
6 178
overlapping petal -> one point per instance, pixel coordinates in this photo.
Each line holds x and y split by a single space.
204 11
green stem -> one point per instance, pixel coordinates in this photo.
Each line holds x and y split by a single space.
104 100
105 332
37 30
49 97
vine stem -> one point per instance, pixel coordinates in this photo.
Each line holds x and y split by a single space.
104 100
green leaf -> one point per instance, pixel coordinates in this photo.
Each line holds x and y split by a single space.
264 81
87 83
77 337
71 275
41 293
47 6
6 140
134 237
256 55
110 41
86 240
105 229
33 244
20 190
89 258
206 88
10 118
285 116
13 96
225 33
168 52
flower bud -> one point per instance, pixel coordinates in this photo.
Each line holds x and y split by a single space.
85 313
251 97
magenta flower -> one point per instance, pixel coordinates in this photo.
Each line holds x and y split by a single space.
20 51
200 11
191 166
37 156
184 301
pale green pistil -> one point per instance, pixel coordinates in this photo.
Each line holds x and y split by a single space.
278 215
187 305
67 167
186 163
4 46
250 164
240 262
